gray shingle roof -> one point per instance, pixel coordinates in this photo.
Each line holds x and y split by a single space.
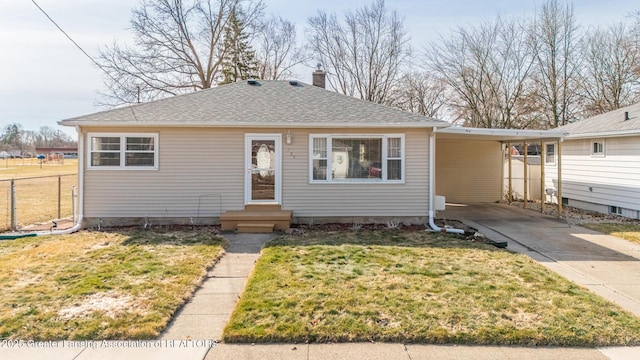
610 123
269 104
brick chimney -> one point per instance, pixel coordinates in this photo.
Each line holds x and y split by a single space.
319 77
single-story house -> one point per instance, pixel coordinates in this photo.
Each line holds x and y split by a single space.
283 147
601 163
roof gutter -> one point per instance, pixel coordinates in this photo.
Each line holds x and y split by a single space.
254 125
432 190
617 133
506 134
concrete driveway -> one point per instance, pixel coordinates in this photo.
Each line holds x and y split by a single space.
607 265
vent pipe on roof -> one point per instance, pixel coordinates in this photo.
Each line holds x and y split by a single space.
626 115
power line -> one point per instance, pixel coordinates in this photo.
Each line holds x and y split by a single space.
81 49
69 37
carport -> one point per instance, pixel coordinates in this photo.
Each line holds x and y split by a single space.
470 163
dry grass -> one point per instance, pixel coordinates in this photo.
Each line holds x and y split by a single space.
417 287
628 231
100 285
37 199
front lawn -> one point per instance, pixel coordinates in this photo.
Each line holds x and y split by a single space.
627 231
417 287
100 285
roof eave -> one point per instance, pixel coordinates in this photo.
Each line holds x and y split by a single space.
253 125
604 134
505 135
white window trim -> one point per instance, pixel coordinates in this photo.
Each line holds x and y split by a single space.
123 139
546 154
383 161
604 148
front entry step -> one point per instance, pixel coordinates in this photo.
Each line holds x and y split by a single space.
268 215
255 228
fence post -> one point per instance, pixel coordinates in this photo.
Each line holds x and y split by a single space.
59 194
14 212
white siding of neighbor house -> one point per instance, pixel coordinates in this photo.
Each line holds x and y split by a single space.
469 171
598 182
206 166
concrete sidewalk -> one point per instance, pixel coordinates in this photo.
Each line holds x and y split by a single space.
195 330
207 313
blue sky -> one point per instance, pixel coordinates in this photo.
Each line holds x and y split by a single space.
44 78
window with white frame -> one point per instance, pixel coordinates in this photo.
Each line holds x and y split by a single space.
550 154
123 151
356 158
597 148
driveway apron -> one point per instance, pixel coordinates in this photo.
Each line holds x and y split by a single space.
607 265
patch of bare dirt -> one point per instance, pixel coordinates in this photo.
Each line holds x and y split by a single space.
109 303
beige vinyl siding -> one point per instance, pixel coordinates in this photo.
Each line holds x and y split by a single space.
357 199
207 165
469 171
611 180
196 166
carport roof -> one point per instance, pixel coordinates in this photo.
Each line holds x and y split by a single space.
502 135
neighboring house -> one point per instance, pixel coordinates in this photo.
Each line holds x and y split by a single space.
601 163
68 153
191 158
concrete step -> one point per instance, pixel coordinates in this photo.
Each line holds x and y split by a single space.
255 228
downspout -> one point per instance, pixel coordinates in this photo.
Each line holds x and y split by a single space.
432 190
78 225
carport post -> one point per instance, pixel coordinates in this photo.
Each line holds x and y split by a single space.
543 196
526 175
510 195
560 178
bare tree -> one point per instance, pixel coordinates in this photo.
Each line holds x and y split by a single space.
556 39
609 80
277 51
364 54
178 48
421 93
488 70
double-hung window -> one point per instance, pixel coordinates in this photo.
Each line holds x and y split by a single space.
356 158
123 151
597 148
550 154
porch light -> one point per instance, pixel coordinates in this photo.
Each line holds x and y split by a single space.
287 138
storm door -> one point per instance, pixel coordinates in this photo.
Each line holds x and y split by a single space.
262 163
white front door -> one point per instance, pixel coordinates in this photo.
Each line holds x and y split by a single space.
263 176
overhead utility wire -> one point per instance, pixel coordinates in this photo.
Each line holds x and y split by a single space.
81 49
67 35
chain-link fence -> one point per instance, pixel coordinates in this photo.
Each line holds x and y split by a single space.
26 201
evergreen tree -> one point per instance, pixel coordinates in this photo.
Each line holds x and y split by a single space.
239 63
